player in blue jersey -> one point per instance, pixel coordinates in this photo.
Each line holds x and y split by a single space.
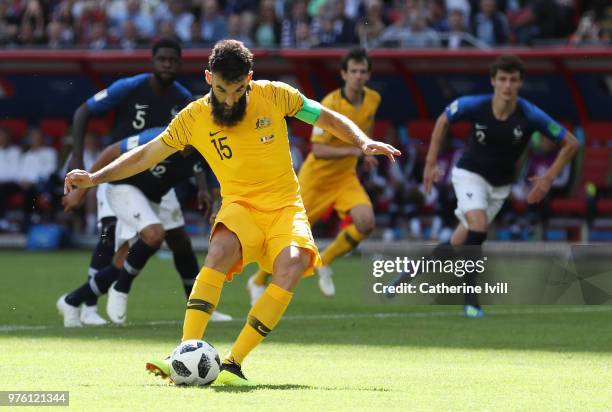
140 102
503 124
143 222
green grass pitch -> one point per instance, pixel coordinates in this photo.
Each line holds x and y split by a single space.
339 354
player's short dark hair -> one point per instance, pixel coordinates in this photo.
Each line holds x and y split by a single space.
166 43
358 54
231 59
507 63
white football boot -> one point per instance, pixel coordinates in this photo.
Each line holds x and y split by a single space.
69 313
116 305
90 316
326 284
220 317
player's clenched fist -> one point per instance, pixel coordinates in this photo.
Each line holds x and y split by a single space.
77 178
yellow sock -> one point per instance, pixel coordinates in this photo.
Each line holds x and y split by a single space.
263 317
202 302
347 240
261 278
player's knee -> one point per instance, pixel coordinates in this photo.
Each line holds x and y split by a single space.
365 224
153 235
223 250
290 272
477 221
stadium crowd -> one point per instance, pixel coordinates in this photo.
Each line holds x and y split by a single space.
129 24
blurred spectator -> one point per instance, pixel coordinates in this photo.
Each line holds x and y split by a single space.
410 30
214 24
9 173
166 31
8 28
590 30
131 37
490 25
298 15
457 30
237 29
241 6
56 36
34 19
130 10
372 26
267 33
181 18
464 6
98 36
436 16
36 168
333 27
304 38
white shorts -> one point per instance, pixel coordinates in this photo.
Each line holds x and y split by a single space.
135 212
474 192
104 209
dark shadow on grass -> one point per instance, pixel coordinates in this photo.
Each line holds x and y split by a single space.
290 387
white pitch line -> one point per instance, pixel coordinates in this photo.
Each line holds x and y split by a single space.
346 316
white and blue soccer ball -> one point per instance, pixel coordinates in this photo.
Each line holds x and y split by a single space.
194 362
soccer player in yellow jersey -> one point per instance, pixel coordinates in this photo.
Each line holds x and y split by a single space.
328 177
239 127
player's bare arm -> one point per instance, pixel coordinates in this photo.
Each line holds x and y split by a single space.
345 129
430 174
129 164
326 151
79 126
74 199
542 184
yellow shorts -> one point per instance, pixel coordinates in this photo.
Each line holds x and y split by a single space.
343 196
263 235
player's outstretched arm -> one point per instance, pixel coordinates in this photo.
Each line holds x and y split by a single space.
129 164
75 198
542 184
430 174
345 129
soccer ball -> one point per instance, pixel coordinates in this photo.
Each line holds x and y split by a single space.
194 362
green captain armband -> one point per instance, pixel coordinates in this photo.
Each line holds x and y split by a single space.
310 112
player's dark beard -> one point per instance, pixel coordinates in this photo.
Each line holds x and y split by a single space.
225 117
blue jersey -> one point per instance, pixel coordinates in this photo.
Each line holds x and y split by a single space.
495 145
155 182
137 107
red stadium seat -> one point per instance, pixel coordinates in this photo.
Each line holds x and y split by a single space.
300 129
569 206
460 130
596 166
99 127
604 207
381 127
55 128
598 132
420 129
16 127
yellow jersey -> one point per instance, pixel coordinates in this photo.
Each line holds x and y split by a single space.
251 160
363 116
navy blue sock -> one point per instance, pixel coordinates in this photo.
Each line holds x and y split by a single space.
103 253
96 285
137 258
187 266
472 251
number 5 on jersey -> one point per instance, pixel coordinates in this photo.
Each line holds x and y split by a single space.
225 152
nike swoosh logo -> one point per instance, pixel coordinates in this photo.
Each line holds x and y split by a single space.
141 106
212 134
481 126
